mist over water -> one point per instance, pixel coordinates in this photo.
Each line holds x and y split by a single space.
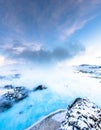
64 85
41 41
62 80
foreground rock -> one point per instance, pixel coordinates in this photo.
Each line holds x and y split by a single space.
12 95
50 122
82 115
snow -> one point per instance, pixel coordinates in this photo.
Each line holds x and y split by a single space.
59 117
64 85
82 115
3 91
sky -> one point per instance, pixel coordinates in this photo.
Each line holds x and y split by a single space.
49 32
41 39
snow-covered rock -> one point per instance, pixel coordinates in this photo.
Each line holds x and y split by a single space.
93 71
82 115
12 95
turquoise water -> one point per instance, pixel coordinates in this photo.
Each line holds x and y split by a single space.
63 87
31 109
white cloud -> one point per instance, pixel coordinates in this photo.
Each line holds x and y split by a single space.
92 55
6 61
77 25
2 59
37 46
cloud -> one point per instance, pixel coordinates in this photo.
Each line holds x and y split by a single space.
38 19
83 12
10 77
6 61
42 54
46 22
76 26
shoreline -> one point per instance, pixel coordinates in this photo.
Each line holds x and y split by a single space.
51 121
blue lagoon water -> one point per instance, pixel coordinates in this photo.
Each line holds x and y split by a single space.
31 109
64 85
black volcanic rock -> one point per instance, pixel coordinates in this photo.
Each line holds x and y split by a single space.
5 103
82 115
40 87
20 93
8 86
13 95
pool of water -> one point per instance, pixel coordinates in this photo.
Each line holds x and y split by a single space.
64 85
31 109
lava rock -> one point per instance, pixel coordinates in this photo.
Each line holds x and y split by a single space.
40 87
20 93
8 86
82 115
13 95
5 104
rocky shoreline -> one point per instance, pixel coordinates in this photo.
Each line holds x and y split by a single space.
81 115
50 122
13 94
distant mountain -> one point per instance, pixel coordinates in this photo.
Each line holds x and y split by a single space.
93 71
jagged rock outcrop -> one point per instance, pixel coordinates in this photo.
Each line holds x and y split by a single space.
13 95
82 115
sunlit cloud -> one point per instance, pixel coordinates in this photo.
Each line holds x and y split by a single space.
90 56
36 31
75 27
5 61
2 59
21 19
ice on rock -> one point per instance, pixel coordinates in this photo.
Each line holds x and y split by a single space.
82 115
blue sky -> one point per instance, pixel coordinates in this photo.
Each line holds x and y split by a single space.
48 31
